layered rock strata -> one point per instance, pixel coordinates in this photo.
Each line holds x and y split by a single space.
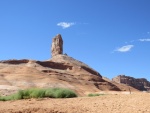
138 83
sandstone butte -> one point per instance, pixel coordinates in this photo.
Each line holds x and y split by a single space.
60 71
66 72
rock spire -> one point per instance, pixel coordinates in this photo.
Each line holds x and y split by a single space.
57 45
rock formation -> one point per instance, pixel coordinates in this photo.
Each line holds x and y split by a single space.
140 83
60 71
57 45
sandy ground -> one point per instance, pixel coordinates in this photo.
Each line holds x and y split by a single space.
110 103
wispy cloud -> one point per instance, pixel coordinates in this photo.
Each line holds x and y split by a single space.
144 40
124 48
65 25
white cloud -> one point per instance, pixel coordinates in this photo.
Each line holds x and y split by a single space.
144 40
125 48
65 25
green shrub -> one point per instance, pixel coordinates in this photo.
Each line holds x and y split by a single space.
40 93
93 95
10 97
32 93
63 93
59 93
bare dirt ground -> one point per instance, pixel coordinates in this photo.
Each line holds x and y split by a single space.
110 103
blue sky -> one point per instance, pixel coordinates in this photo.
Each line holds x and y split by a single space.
111 36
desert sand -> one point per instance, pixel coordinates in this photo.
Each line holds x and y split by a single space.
109 103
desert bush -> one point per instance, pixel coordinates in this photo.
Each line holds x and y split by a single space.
32 93
59 93
10 97
93 95
40 93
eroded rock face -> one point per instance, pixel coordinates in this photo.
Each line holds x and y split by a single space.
57 45
140 83
14 61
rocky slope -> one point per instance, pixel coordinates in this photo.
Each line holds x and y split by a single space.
65 72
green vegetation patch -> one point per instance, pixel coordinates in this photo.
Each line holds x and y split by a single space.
93 95
40 93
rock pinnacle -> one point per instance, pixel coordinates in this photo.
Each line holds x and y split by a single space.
57 45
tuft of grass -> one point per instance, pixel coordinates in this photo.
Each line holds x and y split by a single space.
40 93
60 93
10 97
93 95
